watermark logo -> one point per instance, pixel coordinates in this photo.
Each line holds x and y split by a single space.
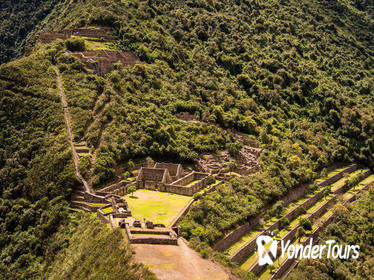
268 253
264 257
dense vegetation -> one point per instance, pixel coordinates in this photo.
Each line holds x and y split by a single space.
18 20
354 226
96 252
36 179
36 173
295 76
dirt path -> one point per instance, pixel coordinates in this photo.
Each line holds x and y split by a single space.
67 121
178 262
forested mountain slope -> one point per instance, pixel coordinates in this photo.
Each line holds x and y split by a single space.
296 76
18 19
36 180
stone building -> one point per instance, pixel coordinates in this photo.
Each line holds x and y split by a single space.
170 177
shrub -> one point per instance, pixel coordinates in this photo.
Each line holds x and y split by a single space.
131 189
75 45
210 180
204 253
284 222
305 223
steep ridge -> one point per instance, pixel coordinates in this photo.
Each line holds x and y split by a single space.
67 121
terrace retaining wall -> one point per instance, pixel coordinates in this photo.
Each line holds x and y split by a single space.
338 175
345 187
284 268
93 198
83 206
154 240
293 195
321 210
102 217
238 233
182 213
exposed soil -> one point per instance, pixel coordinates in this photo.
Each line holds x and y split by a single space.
178 262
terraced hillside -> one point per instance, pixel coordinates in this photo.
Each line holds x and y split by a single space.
318 207
274 91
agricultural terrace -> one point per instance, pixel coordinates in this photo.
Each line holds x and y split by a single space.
158 207
347 186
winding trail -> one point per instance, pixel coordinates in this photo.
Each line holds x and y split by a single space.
67 121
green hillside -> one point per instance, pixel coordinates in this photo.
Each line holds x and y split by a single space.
295 76
18 20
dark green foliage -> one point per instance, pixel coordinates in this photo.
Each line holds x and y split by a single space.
294 75
36 171
284 222
75 44
305 224
276 209
18 18
36 180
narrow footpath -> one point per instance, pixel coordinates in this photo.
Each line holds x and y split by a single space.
67 121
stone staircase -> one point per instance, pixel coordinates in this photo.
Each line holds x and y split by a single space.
82 149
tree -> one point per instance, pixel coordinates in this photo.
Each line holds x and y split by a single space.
277 208
75 44
327 191
284 222
131 190
300 233
305 223
130 165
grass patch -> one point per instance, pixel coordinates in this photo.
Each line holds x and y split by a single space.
159 207
107 210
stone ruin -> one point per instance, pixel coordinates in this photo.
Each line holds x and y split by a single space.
186 116
102 61
169 177
101 34
97 61
149 233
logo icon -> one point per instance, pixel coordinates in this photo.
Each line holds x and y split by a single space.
261 242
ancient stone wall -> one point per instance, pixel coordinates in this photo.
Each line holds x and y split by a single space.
293 195
312 200
338 176
184 181
182 213
282 270
345 187
236 234
93 198
84 206
121 215
111 222
154 240
248 248
101 216
100 34
321 210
